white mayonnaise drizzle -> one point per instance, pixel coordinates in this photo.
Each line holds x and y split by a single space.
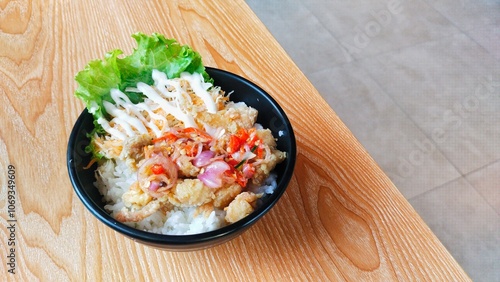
112 131
129 119
168 107
200 89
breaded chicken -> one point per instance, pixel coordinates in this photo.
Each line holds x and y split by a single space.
241 206
225 195
190 193
262 171
126 215
233 117
133 149
135 197
186 167
267 137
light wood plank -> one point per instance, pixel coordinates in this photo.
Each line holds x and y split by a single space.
340 219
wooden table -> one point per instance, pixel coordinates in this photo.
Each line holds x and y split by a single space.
340 219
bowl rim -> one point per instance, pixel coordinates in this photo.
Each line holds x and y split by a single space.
189 239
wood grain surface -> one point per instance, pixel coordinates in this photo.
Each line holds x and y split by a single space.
341 218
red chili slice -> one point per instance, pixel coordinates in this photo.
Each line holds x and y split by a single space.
157 169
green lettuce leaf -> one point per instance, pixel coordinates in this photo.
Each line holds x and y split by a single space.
97 79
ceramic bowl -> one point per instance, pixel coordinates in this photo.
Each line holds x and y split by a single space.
271 116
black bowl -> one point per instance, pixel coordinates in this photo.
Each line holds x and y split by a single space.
271 116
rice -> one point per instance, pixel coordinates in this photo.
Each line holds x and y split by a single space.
174 154
183 161
113 179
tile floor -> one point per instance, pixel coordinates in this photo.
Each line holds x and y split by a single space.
418 83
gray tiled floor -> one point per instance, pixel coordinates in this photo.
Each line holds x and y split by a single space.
418 83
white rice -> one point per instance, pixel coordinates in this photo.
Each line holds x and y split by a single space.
113 180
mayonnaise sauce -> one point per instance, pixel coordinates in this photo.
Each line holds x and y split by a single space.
112 131
135 110
200 89
168 107
129 119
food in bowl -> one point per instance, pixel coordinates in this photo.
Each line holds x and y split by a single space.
174 154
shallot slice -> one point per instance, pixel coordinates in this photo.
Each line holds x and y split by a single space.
203 159
155 184
213 174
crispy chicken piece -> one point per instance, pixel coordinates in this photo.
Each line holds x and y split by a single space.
225 195
190 193
139 205
205 210
240 115
133 149
241 206
234 116
137 215
186 168
267 137
264 169
135 197
109 148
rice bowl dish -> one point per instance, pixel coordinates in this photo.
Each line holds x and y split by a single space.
175 155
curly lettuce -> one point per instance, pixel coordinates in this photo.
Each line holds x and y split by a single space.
98 77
